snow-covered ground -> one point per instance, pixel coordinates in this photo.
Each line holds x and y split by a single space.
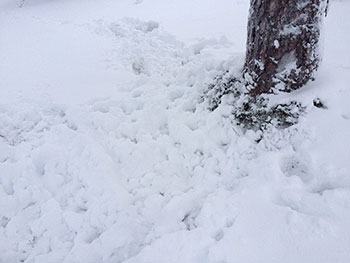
107 153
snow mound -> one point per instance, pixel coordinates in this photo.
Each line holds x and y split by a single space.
144 172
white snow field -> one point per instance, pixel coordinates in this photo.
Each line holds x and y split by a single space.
108 154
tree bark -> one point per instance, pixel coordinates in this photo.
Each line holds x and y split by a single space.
282 44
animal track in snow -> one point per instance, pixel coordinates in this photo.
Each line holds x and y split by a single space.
294 165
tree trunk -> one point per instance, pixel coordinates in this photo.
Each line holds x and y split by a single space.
282 45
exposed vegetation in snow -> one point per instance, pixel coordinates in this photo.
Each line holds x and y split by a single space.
108 152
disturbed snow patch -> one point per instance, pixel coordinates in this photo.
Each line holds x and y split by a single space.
151 175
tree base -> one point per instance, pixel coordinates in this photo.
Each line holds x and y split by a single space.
251 112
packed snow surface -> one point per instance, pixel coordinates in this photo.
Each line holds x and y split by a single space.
109 154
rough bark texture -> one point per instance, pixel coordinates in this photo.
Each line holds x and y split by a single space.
282 44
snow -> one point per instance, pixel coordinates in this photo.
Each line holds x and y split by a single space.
107 153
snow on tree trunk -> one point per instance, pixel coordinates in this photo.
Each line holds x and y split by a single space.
282 44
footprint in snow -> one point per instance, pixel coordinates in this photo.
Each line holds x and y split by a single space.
346 116
295 165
